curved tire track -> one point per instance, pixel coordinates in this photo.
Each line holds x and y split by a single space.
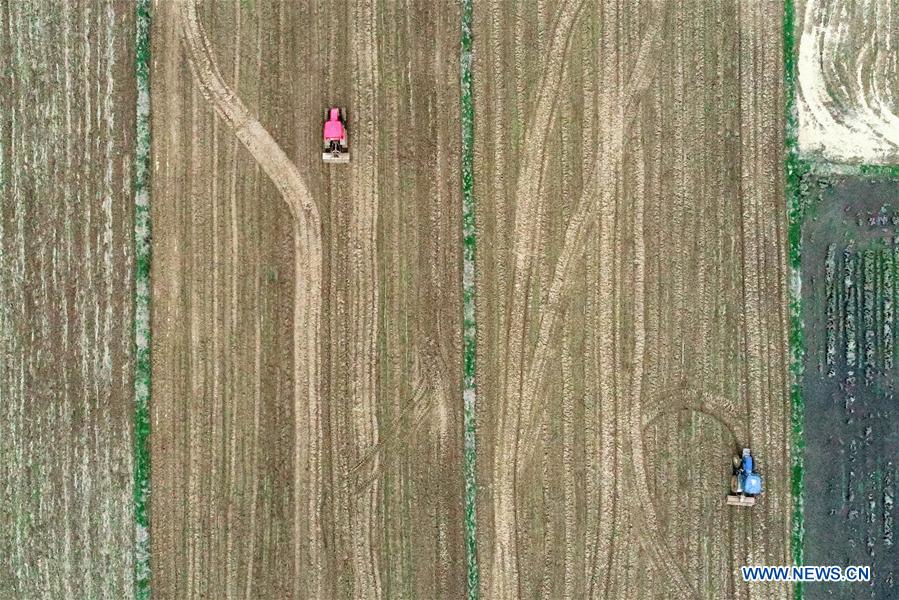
504 579
710 405
647 516
606 164
307 291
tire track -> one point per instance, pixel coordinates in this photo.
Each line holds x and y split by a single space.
753 371
574 246
710 404
647 516
764 286
607 549
307 293
444 345
568 467
364 296
605 167
497 156
404 386
231 564
212 473
504 579
412 414
197 385
597 436
257 394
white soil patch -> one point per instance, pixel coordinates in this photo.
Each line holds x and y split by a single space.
848 96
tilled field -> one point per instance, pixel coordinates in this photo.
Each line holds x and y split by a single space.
850 268
306 394
67 128
631 297
848 92
306 377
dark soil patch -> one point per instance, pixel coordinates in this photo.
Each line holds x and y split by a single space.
850 264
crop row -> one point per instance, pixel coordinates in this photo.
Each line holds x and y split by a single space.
860 297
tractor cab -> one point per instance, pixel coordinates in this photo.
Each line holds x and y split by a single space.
335 148
746 483
751 481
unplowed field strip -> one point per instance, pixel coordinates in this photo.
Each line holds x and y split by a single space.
307 425
67 136
631 297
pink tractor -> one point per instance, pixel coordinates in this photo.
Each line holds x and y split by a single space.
335 148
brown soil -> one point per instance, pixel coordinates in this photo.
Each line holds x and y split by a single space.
67 127
631 297
306 379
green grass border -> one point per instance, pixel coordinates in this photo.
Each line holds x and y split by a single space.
795 171
142 251
469 327
888 172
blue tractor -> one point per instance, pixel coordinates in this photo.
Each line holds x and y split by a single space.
746 483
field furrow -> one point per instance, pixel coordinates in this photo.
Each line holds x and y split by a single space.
67 137
653 288
322 455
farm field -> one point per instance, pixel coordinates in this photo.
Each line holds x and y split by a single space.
381 380
850 268
307 435
847 109
848 92
632 302
67 138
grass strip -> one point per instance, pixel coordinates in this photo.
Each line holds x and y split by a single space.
796 170
862 171
142 307
469 328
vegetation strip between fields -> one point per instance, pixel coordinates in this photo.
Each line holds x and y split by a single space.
142 307
795 171
469 331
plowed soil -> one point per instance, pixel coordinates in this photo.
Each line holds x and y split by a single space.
306 361
850 266
631 295
67 129
848 92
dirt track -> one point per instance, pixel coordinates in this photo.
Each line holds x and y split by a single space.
632 300
67 128
285 463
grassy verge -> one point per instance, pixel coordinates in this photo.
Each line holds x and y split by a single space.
890 172
142 307
469 331
796 170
